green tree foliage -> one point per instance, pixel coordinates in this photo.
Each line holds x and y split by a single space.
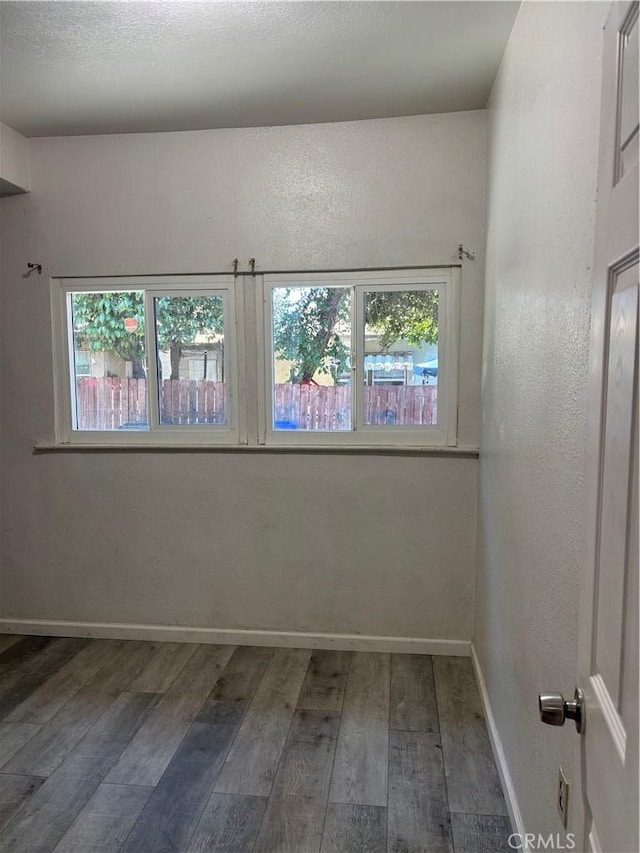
180 319
99 321
410 315
304 328
307 324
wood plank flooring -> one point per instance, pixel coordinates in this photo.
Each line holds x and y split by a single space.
110 745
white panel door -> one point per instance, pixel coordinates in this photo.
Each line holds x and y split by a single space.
608 639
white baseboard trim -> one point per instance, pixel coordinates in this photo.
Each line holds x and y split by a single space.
236 637
515 815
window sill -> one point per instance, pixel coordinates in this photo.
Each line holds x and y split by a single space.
357 450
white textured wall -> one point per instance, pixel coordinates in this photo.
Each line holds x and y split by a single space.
543 122
375 545
14 160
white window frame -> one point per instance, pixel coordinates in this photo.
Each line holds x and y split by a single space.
231 433
258 429
442 434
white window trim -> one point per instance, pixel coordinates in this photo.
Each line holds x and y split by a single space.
444 434
256 429
233 433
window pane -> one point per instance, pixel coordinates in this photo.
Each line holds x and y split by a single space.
401 358
191 359
109 361
311 358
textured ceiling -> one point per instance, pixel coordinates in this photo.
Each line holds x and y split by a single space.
118 67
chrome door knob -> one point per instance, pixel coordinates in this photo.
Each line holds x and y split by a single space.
554 710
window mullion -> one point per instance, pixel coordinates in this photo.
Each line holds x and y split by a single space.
451 349
71 410
153 392
231 371
357 353
263 358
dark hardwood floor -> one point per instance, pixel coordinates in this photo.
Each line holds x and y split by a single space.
140 747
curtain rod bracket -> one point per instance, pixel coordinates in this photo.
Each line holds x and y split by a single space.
462 253
36 267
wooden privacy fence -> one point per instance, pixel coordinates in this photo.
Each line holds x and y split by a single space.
328 407
187 401
113 403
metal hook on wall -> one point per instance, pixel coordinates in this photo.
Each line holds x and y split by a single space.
34 268
462 253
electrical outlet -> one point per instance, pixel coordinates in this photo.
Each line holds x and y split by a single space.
563 797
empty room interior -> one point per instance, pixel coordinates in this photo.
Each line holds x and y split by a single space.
319 426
